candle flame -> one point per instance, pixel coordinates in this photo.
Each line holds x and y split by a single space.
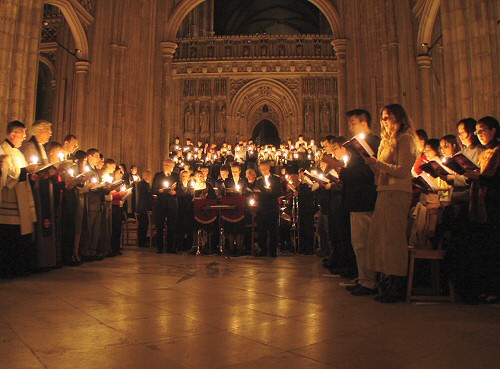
60 155
252 202
165 184
71 172
346 159
362 136
34 159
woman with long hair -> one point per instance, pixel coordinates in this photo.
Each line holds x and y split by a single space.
388 248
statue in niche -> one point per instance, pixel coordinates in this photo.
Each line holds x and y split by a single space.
325 118
204 121
189 118
211 50
281 50
220 118
300 50
308 118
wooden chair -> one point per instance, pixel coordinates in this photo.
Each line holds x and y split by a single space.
423 250
129 233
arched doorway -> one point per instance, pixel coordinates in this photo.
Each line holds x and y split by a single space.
266 133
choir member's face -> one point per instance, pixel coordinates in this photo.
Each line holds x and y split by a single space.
44 134
199 177
339 151
147 176
17 136
53 155
93 160
463 135
224 174
355 126
184 177
389 124
446 148
205 172
265 169
430 153
484 133
250 175
168 167
71 145
236 171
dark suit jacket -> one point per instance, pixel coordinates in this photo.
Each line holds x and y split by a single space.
144 201
359 192
165 200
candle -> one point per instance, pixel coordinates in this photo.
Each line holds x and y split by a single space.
362 136
107 178
296 156
93 180
193 183
237 187
71 172
165 184
86 168
321 175
34 159
252 202
123 188
268 184
346 159
60 155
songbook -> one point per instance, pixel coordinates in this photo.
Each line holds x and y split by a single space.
460 163
427 183
317 177
332 162
359 144
62 165
435 169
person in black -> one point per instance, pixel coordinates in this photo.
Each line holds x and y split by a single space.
144 205
269 186
359 194
164 187
306 208
185 214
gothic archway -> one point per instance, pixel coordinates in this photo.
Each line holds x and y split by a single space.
184 7
266 133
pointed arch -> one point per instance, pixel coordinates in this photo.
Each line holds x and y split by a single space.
428 17
76 27
184 7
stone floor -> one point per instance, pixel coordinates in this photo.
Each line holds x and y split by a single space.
143 310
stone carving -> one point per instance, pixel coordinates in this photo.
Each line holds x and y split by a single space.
189 118
308 118
89 5
204 87
325 118
220 118
189 87
204 120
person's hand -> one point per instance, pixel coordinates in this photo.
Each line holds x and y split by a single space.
470 174
31 168
172 189
370 160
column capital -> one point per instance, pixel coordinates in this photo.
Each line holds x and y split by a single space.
82 66
168 48
424 61
340 45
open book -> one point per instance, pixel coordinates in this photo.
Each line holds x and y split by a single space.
317 177
426 182
435 169
460 163
359 144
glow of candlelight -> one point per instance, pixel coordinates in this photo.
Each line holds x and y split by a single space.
34 159
93 180
268 184
86 168
123 188
71 172
362 136
296 156
107 178
165 184
345 159
314 172
60 155
135 177
321 175
193 183
252 202
237 187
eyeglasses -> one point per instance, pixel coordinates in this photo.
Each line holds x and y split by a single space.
479 131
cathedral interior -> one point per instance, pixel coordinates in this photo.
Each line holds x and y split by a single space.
128 76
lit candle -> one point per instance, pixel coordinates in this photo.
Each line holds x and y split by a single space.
362 136
123 188
321 175
296 156
237 187
93 180
71 172
266 179
314 172
346 159
107 178
34 159
86 168
165 184
252 202
60 155
193 183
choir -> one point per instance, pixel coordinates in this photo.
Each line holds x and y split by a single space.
351 201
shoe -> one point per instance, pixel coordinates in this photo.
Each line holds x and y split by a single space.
364 291
352 288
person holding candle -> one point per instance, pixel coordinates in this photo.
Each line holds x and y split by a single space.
164 187
70 145
388 247
118 197
185 214
359 194
17 210
236 186
43 194
269 186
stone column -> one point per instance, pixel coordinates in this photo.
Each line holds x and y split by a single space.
79 126
340 46
168 49
425 113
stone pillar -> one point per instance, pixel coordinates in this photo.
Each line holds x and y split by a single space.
340 46
79 126
168 49
425 116
20 24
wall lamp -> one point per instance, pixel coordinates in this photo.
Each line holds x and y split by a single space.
75 52
429 48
